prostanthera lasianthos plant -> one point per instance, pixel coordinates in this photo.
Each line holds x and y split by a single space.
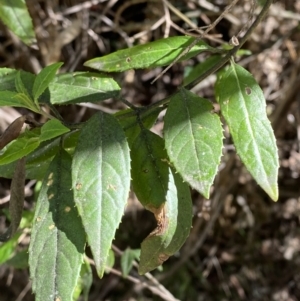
86 169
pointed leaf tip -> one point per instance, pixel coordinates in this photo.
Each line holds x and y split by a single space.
101 182
194 139
244 108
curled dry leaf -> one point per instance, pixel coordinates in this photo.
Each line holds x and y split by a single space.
174 219
13 131
16 200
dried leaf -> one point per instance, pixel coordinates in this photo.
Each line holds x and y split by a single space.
13 131
16 200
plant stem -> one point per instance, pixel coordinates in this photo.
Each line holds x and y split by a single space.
223 61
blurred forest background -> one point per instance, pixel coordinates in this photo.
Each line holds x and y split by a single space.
242 246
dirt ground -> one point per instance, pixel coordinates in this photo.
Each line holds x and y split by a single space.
243 246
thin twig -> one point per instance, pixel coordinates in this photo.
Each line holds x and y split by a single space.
197 40
149 276
153 288
24 292
222 62
235 49
167 19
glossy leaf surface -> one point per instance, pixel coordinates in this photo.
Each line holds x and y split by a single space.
193 135
244 108
101 179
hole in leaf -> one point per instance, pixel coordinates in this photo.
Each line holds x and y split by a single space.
248 91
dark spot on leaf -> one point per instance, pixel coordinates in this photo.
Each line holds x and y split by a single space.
128 59
248 91
145 170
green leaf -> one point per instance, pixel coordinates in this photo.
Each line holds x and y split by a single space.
15 16
80 87
57 239
14 87
8 248
27 218
193 135
8 77
43 79
84 283
52 129
244 108
38 161
21 147
20 85
26 102
174 221
130 124
19 260
110 261
101 181
16 201
150 55
14 99
127 260
149 169
199 69
7 98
